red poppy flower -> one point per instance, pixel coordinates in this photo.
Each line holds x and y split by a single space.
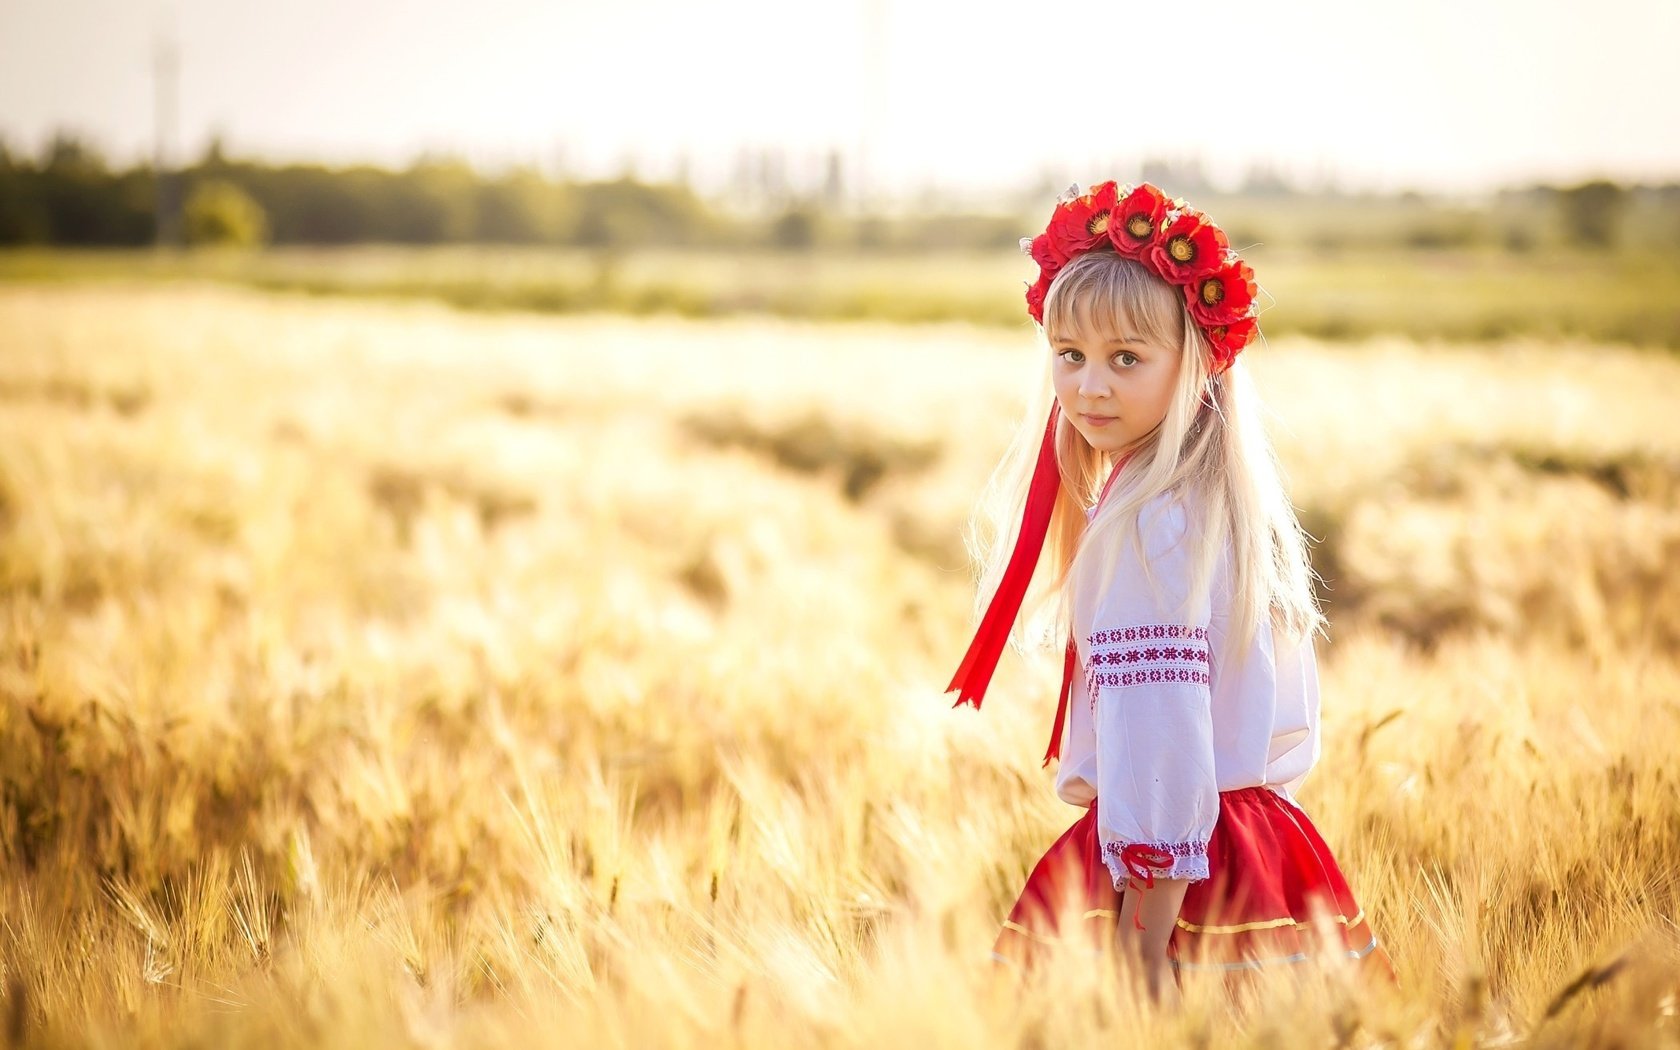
1035 297
1190 247
1046 255
1082 223
1228 341
1223 297
1136 221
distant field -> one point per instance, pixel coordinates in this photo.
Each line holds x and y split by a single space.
1460 295
379 674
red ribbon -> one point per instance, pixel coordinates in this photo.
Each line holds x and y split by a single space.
1141 862
1071 660
975 673
980 662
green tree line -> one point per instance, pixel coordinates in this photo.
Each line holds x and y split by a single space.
69 196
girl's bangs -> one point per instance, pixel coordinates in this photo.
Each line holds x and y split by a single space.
1103 293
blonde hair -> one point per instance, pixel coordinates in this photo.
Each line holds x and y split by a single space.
1219 455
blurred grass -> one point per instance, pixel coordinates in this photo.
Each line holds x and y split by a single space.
1337 292
377 674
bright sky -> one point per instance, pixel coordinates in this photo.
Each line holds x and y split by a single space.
1435 94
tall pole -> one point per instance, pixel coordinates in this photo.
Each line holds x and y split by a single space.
165 65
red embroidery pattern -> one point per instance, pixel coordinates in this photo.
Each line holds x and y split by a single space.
1127 656
1167 674
1148 631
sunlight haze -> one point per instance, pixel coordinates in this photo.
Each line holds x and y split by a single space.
1433 94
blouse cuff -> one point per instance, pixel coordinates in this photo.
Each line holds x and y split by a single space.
1148 861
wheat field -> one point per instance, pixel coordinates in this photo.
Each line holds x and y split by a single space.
373 674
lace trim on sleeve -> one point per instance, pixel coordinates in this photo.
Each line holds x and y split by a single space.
1145 654
1147 861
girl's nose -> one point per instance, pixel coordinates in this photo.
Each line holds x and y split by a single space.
1091 385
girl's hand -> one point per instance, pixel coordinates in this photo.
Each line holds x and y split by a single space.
1144 950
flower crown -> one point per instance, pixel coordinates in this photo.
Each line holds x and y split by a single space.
1174 241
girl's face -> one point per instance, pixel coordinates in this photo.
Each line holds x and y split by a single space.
1113 386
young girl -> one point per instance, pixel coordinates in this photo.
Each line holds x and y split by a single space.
1189 700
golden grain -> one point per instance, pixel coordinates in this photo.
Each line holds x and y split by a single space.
372 674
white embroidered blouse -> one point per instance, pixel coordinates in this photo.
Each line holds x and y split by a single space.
1157 728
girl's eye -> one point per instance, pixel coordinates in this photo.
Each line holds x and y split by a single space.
1127 358
1071 356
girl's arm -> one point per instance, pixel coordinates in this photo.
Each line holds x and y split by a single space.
1145 926
1147 917
1148 675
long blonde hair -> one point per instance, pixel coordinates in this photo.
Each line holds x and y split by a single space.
1214 452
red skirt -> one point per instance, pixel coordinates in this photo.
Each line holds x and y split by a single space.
1274 896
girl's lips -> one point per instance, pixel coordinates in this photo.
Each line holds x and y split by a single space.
1098 421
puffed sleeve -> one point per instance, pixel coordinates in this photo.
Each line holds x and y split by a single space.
1147 669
